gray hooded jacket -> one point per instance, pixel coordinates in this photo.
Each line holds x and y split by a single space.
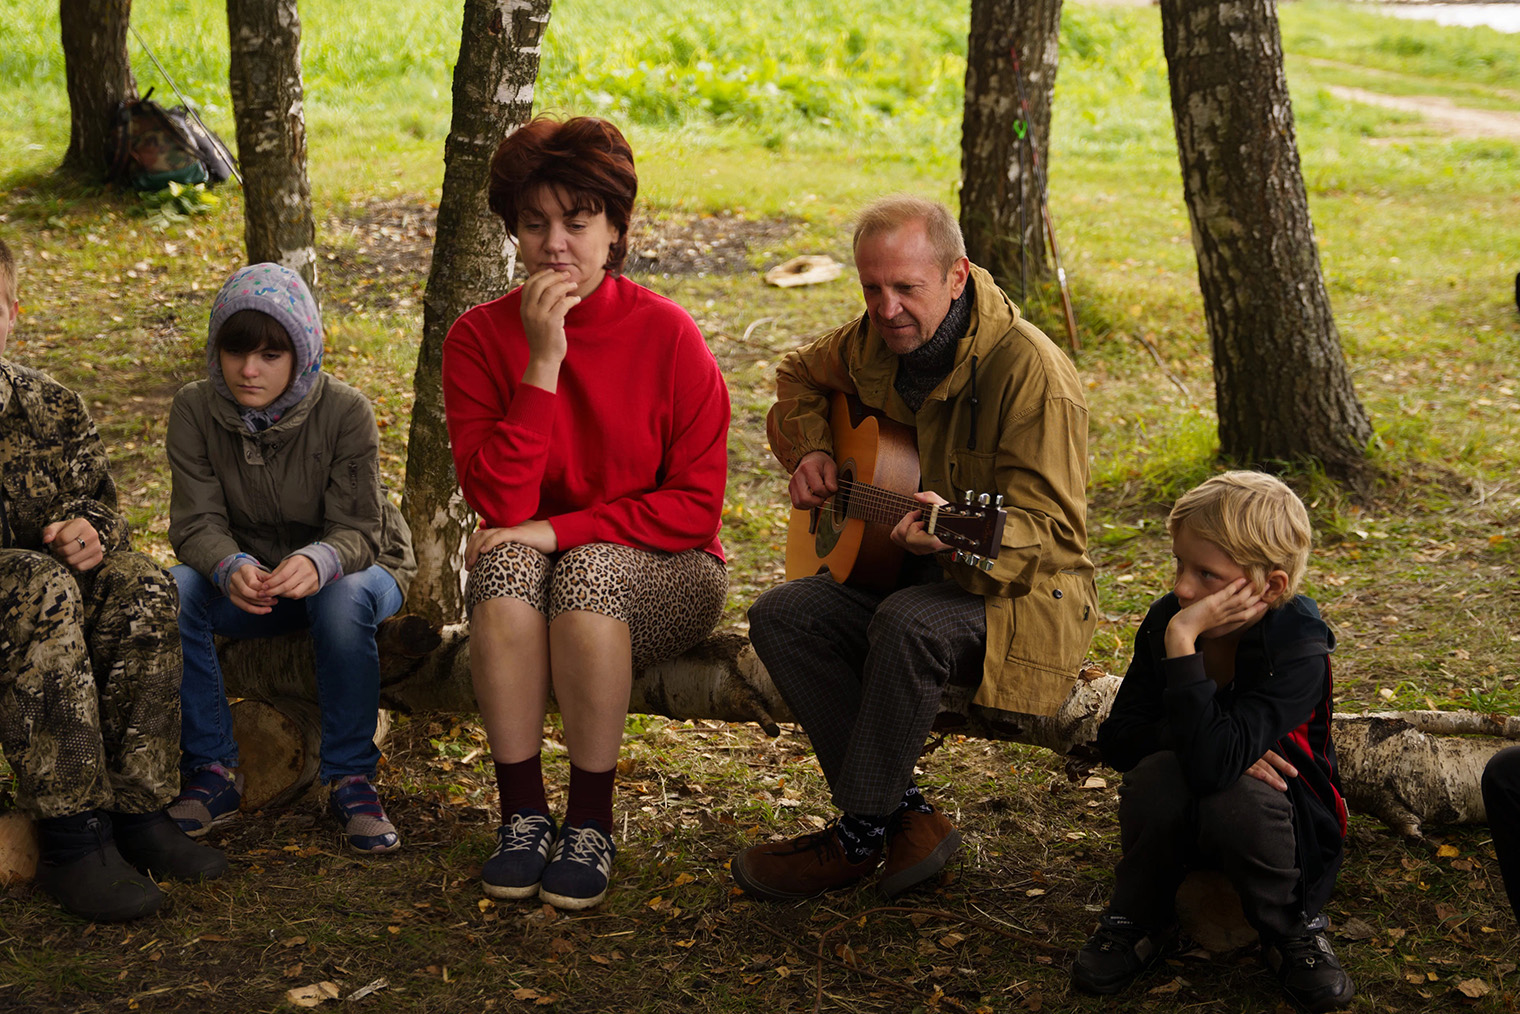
300 476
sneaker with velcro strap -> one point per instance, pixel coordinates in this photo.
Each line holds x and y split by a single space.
208 797
356 806
1309 972
1115 955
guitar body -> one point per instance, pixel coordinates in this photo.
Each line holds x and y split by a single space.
868 448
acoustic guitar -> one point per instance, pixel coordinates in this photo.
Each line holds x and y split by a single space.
850 536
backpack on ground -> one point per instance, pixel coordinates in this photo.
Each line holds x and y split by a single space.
157 146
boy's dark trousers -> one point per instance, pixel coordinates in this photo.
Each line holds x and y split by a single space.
1501 798
1245 831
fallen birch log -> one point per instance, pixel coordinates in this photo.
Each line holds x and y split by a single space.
1405 768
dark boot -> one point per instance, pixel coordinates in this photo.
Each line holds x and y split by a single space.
82 871
154 844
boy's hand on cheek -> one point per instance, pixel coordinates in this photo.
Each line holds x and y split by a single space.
1234 606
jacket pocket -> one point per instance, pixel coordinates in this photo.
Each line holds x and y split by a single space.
1054 623
973 471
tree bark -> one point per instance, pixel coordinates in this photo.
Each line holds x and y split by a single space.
98 72
472 263
1001 188
1282 387
268 105
1404 767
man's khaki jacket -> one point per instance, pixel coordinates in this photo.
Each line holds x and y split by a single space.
1010 418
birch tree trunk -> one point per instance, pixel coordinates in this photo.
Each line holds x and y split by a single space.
268 105
472 263
1282 387
99 78
1000 188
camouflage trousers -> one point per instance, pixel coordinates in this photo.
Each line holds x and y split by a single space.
89 683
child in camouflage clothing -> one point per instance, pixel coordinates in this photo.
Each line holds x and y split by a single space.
89 658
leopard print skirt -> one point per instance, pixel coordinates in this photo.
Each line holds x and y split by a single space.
670 601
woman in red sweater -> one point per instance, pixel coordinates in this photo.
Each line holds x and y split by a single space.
589 425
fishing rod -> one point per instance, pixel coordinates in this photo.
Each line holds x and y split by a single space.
1027 133
226 152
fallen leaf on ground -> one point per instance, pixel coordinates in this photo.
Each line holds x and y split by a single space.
1473 988
311 996
1357 929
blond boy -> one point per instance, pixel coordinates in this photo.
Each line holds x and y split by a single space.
1222 728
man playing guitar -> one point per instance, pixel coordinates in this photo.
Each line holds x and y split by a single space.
998 410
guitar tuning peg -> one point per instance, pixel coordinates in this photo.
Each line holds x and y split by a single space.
973 559
986 565
969 495
997 501
984 499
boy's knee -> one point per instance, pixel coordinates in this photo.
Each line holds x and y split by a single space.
1155 788
37 588
1242 816
137 586
1501 776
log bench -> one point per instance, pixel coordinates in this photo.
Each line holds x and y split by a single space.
1406 768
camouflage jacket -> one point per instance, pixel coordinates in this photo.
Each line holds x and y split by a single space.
52 463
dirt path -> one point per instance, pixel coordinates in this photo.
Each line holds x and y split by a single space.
1441 112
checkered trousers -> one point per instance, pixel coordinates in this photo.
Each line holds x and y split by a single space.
864 673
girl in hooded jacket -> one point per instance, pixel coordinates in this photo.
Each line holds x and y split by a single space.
280 521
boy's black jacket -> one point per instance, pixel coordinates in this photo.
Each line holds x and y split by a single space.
1279 700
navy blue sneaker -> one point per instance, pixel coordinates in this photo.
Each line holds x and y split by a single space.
355 804
579 867
523 845
210 796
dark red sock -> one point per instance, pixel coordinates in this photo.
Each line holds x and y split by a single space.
521 786
590 797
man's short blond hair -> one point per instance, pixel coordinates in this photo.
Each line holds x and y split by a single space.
7 276
1256 519
890 213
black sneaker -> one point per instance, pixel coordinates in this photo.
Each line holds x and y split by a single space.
522 851
1309 972
579 866
1116 954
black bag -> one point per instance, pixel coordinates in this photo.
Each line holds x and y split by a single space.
157 146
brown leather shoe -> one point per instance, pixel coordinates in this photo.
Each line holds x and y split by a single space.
799 867
918 847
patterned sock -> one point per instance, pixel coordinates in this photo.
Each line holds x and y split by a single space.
862 837
913 799
590 797
521 786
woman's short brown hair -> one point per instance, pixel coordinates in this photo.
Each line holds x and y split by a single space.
585 157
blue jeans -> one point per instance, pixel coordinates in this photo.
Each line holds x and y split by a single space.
342 618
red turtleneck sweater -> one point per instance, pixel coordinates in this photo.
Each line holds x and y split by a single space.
633 446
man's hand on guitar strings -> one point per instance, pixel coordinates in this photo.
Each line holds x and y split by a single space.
912 532
815 480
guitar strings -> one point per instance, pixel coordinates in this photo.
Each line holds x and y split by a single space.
873 503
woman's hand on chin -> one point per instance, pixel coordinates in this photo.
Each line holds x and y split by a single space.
537 535
547 296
